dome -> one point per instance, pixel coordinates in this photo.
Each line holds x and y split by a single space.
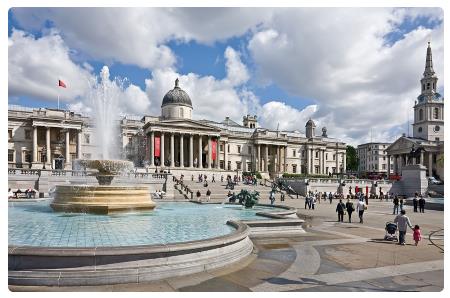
177 96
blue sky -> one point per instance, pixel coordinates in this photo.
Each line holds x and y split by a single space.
269 63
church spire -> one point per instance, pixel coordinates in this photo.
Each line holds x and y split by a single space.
429 71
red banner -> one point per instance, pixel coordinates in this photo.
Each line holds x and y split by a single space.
157 146
213 149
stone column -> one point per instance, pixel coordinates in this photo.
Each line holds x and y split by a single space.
191 151
181 151
311 162
266 161
67 146
344 162
217 154
337 161
258 157
152 149
200 152
172 150
209 152
307 161
162 150
430 164
421 157
324 162
225 161
49 151
395 164
388 166
35 146
285 159
78 142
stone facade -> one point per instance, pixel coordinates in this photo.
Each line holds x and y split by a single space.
428 129
373 158
184 144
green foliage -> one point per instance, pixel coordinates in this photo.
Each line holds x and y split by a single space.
248 199
352 159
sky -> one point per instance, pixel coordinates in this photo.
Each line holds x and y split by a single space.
355 71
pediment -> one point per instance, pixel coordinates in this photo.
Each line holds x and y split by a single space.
401 144
185 124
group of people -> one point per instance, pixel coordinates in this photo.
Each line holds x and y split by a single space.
349 207
29 193
199 195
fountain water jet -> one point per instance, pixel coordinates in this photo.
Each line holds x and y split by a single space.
103 198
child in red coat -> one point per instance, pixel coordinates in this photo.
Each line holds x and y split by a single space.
417 235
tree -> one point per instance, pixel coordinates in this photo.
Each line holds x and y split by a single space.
352 159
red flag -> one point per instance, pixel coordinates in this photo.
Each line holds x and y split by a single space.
61 84
213 149
157 146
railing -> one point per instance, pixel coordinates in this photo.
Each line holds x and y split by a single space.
183 188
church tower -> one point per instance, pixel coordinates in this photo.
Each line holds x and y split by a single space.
429 107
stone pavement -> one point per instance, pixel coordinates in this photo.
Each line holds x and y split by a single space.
331 256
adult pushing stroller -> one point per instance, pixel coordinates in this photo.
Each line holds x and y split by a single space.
391 231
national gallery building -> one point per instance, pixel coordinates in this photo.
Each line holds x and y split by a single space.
53 138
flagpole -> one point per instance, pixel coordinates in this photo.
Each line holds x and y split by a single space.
58 100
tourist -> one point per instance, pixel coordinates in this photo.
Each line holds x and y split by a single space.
198 195
330 197
282 197
10 194
272 197
417 234
367 199
402 222
208 195
415 202
192 178
29 192
313 202
350 208
395 201
213 179
360 207
306 201
340 211
401 204
421 204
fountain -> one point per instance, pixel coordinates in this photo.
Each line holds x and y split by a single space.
103 198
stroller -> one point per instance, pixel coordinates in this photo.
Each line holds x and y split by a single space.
391 232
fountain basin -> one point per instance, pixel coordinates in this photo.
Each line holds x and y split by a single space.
101 199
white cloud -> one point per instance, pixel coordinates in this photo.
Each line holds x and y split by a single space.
237 73
276 113
35 65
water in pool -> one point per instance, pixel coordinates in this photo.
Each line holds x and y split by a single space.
35 224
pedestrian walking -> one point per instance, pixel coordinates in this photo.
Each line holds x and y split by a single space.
313 202
272 197
395 201
361 207
415 202
198 195
330 197
282 197
306 201
402 222
350 208
208 195
421 204
417 234
340 210
213 179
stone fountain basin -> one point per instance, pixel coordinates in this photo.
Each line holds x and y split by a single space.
101 199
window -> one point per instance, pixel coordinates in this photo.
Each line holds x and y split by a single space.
239 149
27 156
383 166
130 141
420 114
228 150
434 86
249 150
87 138
384 157
436 113
334 156
10 155
317 169
9 134
303 153
437 128
221 148
419 129
229 165
437 139
428 86
238 165
317 154
326 157
249 166
27 134
294 169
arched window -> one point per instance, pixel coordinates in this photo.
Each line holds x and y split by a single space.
436 113
428 86
420 114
